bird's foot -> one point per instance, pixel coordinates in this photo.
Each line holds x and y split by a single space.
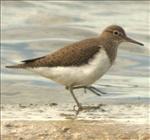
77 109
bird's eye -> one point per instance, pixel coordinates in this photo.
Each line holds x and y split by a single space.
116 33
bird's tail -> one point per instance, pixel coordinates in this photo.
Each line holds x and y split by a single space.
19 66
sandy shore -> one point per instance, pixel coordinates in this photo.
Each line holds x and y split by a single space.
57 122
73 130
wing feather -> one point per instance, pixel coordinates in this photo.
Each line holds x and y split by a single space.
76 54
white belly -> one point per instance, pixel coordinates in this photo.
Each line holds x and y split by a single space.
73 75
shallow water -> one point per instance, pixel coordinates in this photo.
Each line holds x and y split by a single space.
32 29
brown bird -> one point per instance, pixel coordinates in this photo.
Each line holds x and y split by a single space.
80 64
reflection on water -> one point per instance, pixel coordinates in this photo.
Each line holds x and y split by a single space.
31 29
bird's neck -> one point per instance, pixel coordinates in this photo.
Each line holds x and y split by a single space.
110 48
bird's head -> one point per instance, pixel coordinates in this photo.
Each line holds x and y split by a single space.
118 35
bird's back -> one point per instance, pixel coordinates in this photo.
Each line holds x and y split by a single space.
75 54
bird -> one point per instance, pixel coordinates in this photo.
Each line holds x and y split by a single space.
80 64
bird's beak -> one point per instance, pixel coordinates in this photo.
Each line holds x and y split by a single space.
133 41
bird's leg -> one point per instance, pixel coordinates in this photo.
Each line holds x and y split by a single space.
90 88
96 89
78 87
74 97
77 102
80 107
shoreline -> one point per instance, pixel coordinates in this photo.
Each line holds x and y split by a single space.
73 130
122 113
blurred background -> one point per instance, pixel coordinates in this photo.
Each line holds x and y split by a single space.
35 28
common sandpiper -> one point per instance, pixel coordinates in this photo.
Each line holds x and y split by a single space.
80 64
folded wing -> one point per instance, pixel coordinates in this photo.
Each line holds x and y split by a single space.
75 54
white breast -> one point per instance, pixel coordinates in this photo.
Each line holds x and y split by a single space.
77 75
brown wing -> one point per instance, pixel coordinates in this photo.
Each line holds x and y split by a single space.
75 54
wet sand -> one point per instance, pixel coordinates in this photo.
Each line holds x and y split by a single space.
73 130
58 122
